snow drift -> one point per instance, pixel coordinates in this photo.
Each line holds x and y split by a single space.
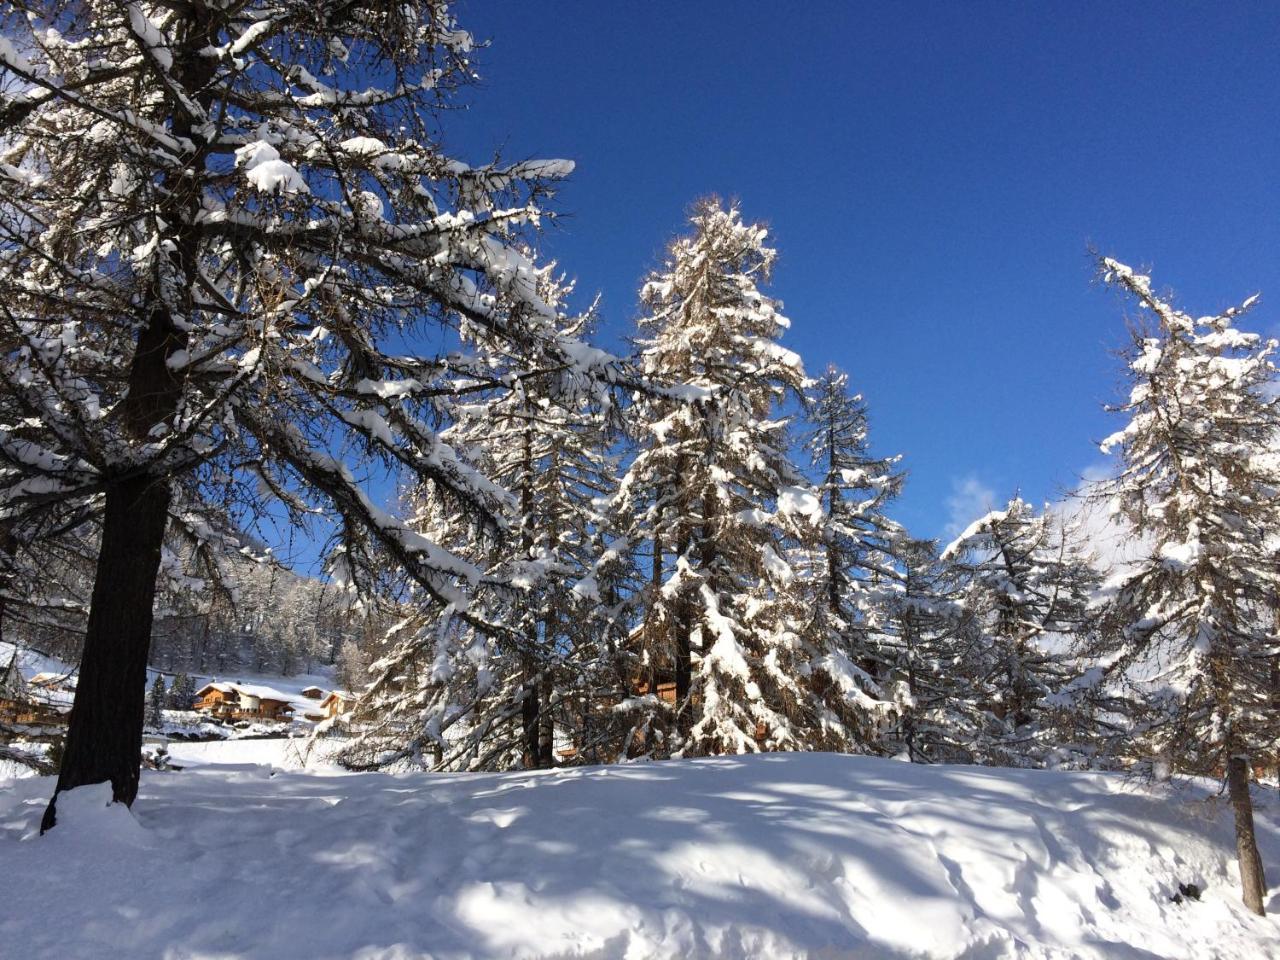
800 855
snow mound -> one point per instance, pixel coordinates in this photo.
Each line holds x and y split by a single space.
87 816
801 855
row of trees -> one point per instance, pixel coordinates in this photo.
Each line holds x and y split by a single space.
260 618
241 283
711 569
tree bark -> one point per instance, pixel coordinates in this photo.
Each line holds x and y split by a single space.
105 734
529 710
1252 880
546 725
104 737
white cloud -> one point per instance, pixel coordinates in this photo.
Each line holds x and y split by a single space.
970 499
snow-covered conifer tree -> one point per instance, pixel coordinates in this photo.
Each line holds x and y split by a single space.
850 554
181 692
491 701
927 653
157 700
221 226
1028 583
1189 627
714 495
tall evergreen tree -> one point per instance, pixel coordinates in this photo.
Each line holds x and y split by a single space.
714 494
495 701
182 693
928 652
1189 629
221 225
850 555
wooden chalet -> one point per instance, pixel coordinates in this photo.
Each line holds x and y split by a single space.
337 703
239 701
17 705
313 693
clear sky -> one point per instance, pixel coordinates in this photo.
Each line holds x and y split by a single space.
932 174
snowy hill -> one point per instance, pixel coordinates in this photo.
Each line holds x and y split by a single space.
795 855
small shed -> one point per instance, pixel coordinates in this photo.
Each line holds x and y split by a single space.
313 693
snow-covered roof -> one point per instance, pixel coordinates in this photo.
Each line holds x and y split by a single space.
47 676
262 692
256 690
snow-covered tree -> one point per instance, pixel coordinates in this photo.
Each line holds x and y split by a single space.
1026 579
713 493
182 692
927 653
849 555
13 686
221 226
1189 627
351 669
493 701
157 700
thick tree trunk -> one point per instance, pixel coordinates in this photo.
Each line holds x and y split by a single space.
1252 880
105 734
104 738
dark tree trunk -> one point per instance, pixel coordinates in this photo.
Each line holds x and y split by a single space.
1252 880
531 703
546 726
104 738
683 653
529 711
105 734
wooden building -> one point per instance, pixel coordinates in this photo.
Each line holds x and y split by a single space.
17 705
240 701
337 703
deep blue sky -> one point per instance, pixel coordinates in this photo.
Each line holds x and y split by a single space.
932 175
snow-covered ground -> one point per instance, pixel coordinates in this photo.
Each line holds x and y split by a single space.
771 856
278 752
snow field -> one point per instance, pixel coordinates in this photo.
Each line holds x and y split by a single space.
798 855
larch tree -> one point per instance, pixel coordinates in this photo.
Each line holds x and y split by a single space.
457 697
844 562
224 229
927 654
1188 628
714 494
1028 582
